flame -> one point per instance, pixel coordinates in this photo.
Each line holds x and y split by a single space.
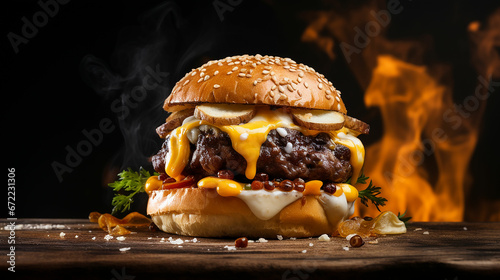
413 106
421 162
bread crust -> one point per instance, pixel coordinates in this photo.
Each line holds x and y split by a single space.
203 212
259 80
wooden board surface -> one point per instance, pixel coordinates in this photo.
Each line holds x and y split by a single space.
430 250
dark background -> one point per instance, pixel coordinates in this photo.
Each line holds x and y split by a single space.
92 54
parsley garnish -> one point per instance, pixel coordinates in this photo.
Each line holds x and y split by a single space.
370 193
131 183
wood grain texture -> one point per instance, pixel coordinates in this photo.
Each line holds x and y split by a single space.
446 252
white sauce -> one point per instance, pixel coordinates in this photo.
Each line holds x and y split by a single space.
336 208
266 204
244 136
282 132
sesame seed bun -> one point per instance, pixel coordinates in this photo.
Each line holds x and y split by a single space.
202 212
259 80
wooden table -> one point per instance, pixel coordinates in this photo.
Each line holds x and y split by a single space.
77 249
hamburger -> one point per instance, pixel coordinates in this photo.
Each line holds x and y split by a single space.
255 146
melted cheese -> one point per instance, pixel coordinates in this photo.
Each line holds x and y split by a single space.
266 204
225 187
248 138
357 149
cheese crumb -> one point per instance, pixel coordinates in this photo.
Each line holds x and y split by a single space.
124 249
177 241
230 248
108 237
304 251
62 234
425 232
345 248
93 238
417 229
324 237
310 244
280 237
262 240
465 228
120 238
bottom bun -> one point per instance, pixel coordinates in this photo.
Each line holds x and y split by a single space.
204 213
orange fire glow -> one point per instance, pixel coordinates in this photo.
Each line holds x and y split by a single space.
412 105
421 161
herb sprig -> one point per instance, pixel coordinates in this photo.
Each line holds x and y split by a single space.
402 217
370 193
126 187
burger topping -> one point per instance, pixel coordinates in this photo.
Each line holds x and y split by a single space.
221 114
318 119
306 160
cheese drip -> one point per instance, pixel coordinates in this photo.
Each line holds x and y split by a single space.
266 204
247 139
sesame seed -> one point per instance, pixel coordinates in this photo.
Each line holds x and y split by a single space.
271 93
186 82
206 77
216 86
281 89
283 97
220 63
254 65
328 96
320 86
241 74
306 85
273 87
299 92
286 66
299 79
328 91
230 72
194 73
201 79
265 72
234 68
248 75
338 106
216 72
255 82
289 87
237 62
301 74
242 70
267 67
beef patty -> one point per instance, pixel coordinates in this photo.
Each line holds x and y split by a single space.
288 157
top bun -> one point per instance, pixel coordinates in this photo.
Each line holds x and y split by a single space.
257 80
